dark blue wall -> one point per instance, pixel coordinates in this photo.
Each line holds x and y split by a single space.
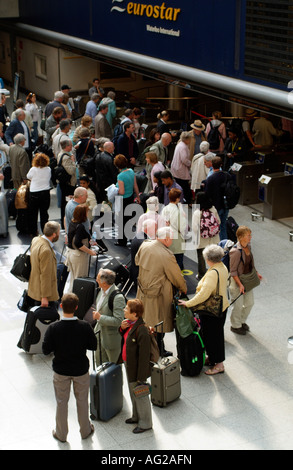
208 29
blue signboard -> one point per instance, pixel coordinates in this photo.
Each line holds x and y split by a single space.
195 33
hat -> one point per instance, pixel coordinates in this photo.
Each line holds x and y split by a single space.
249 112
198 125
65 87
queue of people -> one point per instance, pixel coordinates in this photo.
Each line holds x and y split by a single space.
158 257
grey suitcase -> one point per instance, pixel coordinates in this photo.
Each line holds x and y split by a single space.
165 379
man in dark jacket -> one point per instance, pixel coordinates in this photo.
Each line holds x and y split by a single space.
106 172
18 126
127 145
214 187
69 340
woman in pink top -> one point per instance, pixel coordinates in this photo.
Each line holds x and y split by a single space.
181 163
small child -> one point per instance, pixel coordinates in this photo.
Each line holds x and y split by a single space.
69 339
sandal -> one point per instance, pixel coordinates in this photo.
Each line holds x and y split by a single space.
215 370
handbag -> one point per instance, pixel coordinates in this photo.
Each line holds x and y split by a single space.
184 318
21 197
21 268
213 306
250 280
25 302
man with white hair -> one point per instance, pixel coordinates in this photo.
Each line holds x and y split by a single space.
18 126
160 148
109 314
79 197
19 161
200 166
152 212
158 273
57 102
105 170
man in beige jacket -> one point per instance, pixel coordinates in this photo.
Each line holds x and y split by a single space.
42 285
19 160
158 273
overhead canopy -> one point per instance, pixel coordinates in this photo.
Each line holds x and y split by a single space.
243 92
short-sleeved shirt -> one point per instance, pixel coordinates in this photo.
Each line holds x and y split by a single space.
127 176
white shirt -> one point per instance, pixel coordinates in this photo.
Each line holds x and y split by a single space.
102 297
40 178
25 131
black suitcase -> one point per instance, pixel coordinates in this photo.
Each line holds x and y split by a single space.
191 353
62 274
106 390
3 215
22 221
86 290
10 198
122 271
36 323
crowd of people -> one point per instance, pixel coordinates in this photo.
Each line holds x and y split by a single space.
88 160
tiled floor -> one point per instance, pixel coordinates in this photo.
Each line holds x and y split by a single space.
248 407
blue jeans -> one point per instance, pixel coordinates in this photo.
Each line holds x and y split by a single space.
223 214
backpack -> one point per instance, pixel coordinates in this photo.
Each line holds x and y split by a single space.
118 130
209 226
231 192
226 245
154 351
60 173
214 137
112 296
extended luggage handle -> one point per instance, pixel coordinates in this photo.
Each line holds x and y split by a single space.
164 360
98 333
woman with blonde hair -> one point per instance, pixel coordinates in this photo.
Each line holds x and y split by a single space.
39 192
86 122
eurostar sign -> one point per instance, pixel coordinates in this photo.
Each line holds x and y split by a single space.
161 11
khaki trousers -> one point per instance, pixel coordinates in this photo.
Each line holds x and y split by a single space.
62 386
241 307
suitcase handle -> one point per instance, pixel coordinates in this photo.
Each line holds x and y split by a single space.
100 351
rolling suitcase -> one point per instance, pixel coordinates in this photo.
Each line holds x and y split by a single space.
62 274
37 321
122 271
165 380
106 390
3 215
86 290
10 198
191 353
